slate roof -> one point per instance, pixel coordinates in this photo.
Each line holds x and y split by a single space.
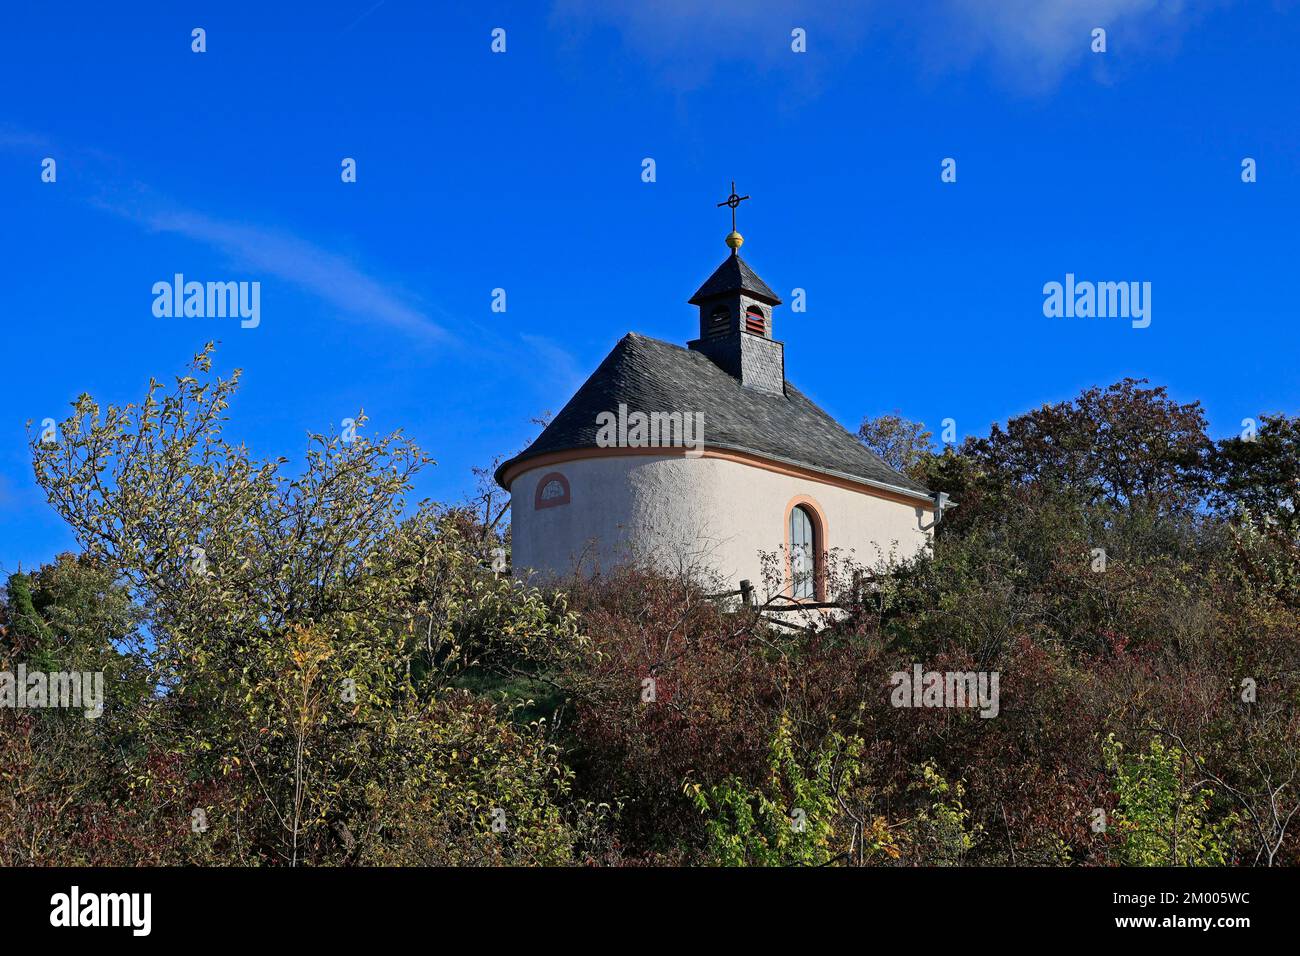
734 275
649 375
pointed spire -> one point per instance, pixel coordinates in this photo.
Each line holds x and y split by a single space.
734 275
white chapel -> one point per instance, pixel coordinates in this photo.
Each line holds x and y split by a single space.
743 463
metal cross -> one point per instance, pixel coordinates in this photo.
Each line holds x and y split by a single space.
733 201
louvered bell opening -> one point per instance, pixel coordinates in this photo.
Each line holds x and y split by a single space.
755 321
718 321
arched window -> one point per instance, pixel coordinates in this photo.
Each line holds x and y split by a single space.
552 491
803 553
719 320
755 321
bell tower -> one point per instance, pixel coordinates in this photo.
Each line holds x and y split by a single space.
736 318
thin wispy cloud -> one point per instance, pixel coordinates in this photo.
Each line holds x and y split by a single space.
13 138
331 277
1029 44
688 41
1035 43
560 364
363 16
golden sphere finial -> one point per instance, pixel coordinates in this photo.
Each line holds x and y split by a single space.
735 240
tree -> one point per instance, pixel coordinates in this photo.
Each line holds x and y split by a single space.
308 633
69 791
1124 445
71 614
1260 474
900 443
25 631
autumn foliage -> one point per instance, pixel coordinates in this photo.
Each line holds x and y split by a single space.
308 669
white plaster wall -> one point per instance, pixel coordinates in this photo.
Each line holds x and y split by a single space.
672 510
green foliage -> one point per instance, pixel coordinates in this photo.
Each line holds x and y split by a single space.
1160 818
942 829
307 633
26 632
790 819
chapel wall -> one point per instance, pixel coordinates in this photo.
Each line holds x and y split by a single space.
675 511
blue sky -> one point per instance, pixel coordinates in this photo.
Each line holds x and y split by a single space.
522 171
